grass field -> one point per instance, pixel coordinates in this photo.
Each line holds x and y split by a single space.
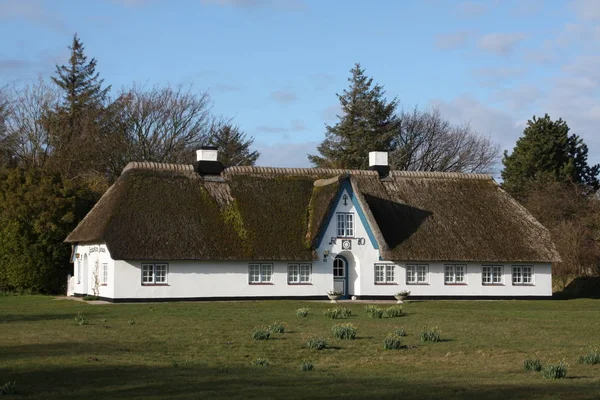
205 350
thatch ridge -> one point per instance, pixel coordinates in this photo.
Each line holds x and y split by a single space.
157 166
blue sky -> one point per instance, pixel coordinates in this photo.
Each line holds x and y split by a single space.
275 65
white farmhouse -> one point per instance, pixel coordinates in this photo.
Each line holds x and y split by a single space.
199 232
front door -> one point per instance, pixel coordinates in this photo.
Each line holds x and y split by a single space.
340 275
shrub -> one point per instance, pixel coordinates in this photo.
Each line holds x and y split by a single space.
260 362
307 365
374 311
302 312
80 319
555 371
392 342
337 313
430 335
591 358
400 332
316 343
393 311
131 321
261 333
532 364
276 327
8 388
88 297
344 331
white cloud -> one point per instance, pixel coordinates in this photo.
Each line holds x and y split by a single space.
501 44
292 155
474 8
283 96
295 126
452 40
586 9
33 11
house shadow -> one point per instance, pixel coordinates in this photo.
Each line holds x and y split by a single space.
396 221
583 287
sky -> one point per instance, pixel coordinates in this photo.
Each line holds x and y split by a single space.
275 66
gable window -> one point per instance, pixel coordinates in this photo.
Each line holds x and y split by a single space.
104 274
492 275
299 274
345 224
385 274
154 274
417 273
522 275
260 273
455 274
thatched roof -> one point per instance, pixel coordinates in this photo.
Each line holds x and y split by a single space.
168 212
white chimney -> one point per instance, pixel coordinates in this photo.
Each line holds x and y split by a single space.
207 153
378 159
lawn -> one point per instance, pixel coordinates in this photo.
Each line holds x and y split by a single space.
206 350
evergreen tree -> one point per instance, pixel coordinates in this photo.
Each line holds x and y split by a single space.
234 147
368 123
546 152
80 81
77 127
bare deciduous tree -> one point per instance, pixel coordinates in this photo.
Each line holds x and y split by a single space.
428 142
24 135
165 124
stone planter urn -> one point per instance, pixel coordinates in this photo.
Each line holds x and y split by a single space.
401 296
334 297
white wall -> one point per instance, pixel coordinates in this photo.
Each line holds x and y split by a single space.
97 254
193 279
542 282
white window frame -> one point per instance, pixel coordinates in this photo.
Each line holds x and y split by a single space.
520 281
413 274
300 274
153 268
451 274
104 274
264 275
493 273
345 224
385 274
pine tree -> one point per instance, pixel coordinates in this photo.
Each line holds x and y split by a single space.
80 81
368 123
546 152
234 147
76 127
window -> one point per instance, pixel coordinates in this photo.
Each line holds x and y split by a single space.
78 271
345 224
455 274
385 274
492 275
154 274
416 274
260 273
299 273
104 274
339 268
522 275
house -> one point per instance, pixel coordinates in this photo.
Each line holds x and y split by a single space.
202 231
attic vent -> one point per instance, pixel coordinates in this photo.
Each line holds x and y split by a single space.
207 163
378 161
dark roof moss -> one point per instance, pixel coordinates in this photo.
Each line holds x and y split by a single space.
168 212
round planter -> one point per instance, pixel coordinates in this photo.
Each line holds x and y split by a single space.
334 297
400 298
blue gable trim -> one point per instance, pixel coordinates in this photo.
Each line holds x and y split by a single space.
346 186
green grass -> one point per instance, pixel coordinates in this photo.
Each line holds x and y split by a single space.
206 350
